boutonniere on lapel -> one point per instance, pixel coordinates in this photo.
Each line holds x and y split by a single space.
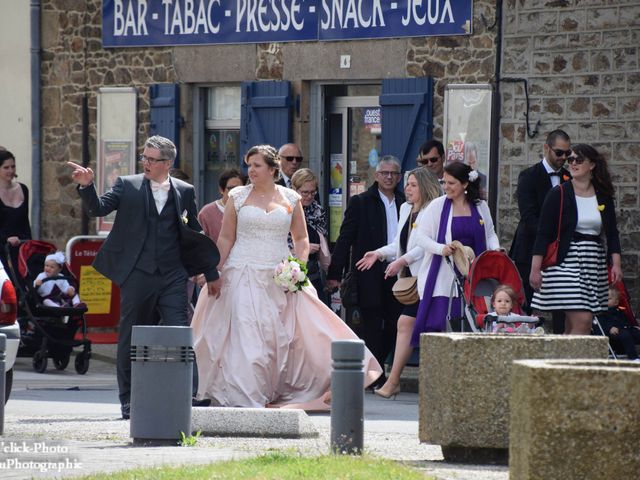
601 207
566 178
185 219
414 225
481 222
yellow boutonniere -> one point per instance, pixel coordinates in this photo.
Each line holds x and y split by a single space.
601 207
185 219
481 222
414 225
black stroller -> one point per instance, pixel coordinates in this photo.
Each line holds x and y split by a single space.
47 332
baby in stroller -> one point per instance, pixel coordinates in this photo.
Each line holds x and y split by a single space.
615 325
52 287
503 320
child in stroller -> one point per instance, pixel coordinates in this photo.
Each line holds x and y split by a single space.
503 320
623 336
48 331
54 289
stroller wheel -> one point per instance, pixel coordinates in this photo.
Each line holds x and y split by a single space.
61 362
39 361
82 362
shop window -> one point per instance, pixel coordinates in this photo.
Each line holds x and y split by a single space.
222 136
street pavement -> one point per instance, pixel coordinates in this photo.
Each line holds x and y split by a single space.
60 425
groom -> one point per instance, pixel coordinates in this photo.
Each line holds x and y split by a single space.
153 247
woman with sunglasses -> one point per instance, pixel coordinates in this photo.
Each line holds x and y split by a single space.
578 283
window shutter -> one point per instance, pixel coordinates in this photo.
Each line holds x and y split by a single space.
265 116
407 117
165 113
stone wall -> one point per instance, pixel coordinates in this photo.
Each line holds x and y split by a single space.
581 63
74 64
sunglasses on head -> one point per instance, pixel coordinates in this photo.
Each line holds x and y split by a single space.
292 159
425 160
575 159
558 152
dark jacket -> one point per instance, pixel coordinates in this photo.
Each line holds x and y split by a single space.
613 317
533 185
364 228
548 228
121 250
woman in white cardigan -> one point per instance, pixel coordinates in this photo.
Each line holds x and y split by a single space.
421 188
458 215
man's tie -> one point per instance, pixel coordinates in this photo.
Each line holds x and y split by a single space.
157 187
554 174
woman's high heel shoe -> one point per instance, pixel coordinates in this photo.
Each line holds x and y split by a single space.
389 392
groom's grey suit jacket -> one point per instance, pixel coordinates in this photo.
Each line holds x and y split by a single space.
130 197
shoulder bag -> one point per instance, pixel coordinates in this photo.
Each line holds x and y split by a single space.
551 257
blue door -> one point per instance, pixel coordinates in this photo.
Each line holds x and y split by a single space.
265 116
407 117
165 113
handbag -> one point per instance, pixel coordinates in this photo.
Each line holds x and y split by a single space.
406 290
551 256
349 290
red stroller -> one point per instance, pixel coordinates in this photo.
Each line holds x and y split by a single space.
47 332
488 270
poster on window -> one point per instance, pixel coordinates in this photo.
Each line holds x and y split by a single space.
116 144
467 129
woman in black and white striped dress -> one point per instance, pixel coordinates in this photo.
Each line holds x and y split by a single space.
578 282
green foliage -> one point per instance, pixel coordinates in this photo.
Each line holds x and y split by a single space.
191 440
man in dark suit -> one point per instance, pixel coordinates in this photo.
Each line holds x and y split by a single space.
290 157
371 221
153 247
533 185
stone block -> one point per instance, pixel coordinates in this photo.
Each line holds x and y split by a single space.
252 422
574 419
465 385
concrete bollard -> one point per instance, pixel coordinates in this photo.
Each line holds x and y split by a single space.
161 376
3 347
347 397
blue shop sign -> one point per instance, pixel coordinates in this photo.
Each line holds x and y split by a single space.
132 23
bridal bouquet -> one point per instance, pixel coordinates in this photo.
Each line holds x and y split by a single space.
291 274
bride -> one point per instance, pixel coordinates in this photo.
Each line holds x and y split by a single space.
256 345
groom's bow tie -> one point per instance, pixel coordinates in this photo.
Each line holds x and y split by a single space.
554 174
157 187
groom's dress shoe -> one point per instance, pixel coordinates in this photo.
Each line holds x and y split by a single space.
125 408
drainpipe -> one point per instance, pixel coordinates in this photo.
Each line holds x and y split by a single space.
496 108
35 118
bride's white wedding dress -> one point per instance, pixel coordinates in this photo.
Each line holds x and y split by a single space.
256 345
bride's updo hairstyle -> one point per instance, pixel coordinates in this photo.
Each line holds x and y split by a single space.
461 172
269 155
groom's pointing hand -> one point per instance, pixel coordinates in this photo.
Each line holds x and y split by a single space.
81 175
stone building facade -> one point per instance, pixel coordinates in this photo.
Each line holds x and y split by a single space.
580 60
581 63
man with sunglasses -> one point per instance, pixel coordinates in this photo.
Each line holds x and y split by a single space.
533 185
291 158
154 246
431 157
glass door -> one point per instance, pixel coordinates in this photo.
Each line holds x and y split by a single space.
353 138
